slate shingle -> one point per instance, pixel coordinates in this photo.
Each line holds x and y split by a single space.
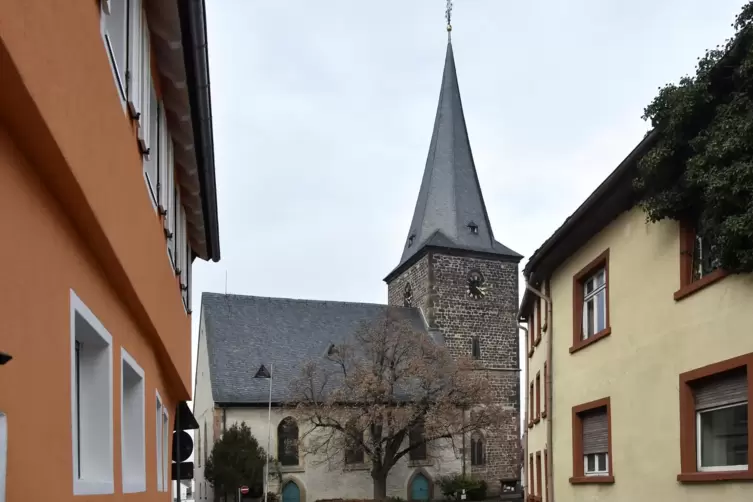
244 332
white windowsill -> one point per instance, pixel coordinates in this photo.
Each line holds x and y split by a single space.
87 487
134 485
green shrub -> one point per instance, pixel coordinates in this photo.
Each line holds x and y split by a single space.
453 485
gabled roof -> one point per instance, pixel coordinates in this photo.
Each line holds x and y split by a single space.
244 332
450 206
610 199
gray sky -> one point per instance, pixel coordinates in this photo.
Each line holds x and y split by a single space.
323 112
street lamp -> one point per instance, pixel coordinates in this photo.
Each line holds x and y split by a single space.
263 372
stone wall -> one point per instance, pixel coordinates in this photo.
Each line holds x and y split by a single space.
440 288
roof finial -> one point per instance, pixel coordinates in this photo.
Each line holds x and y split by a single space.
448 16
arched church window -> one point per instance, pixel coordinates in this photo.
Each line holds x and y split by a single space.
417 436
408 295
354 444
478 450
287 441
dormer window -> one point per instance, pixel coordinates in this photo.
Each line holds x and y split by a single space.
411 238
473 228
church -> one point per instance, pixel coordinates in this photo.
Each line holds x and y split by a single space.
454 278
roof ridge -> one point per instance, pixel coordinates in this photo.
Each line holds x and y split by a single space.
210 294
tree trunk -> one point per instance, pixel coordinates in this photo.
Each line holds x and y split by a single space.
380 485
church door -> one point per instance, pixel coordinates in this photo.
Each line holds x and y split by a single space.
291 492
419 488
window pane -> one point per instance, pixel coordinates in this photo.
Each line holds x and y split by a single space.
588 319
602 461
601 310
590 463
724 436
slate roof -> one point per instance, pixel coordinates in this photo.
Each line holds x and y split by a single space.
244 332
450 196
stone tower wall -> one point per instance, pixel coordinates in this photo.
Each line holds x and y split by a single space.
439 283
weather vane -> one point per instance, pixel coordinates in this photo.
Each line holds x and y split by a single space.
448 16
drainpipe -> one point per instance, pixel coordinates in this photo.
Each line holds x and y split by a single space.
548 388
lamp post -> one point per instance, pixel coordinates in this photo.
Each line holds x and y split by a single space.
264 373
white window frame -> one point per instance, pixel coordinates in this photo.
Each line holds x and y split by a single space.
699 444
151 158
133 482
3 453
591 296
166 450
119 74
158 441
598 471
104 485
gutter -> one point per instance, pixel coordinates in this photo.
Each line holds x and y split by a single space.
547 387
193 30
601 191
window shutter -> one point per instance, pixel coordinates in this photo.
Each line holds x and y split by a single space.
595 432
720 390
135 56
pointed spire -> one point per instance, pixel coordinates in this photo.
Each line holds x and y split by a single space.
450 210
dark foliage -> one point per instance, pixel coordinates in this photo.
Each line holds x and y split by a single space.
700 169
236 460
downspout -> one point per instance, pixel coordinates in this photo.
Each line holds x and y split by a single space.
548 388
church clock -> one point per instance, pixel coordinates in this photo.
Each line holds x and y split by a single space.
476 287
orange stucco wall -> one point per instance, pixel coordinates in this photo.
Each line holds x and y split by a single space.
74 214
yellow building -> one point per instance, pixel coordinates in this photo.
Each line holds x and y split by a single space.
650 368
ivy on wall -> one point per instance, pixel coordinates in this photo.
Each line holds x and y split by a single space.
700 168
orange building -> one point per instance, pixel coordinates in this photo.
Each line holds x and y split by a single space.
107 195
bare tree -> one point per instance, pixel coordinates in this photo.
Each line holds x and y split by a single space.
389 391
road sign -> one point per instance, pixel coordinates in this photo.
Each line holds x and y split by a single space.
244 490
186 446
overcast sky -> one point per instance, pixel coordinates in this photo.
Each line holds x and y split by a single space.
323 111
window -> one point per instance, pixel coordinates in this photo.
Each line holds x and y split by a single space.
531 334
478 451
531 405
162 442
354 453
115 33
715 442
151 157
132 434
3 453
166 172
418 441
476 347
531 475
538 395
591 303
158 444
546 474
166 484
91 402
537 307
198 447
592 443
546 388
287 442
538 473
699 261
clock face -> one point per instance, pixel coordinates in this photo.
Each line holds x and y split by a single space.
476 288
408 296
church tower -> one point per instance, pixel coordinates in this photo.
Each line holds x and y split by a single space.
464 281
